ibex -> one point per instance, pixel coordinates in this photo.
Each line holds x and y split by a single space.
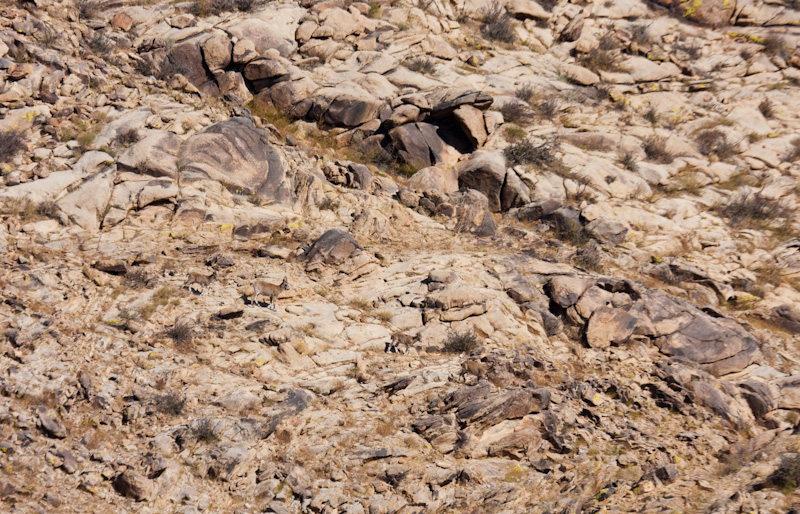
264 287
200 279
478 369
399 338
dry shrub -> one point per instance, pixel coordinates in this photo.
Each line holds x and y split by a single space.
205 432
516 112
715 142
748 208
528 152
12 142
526 92
655 147
461 342
424 65
767 108
628 161
497 24
136 278
775 45
87 9
181 333
170 403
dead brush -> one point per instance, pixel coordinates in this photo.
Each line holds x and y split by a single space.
461 342
516 112
424 65
497 23
528 152
170 403
657 150
137 278
752 208
205 432
12 142
715 142
767 108
181 333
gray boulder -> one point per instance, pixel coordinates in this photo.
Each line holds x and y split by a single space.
472 212
420 145
332 247
485 172
237 154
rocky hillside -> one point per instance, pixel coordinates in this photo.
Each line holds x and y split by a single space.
394 257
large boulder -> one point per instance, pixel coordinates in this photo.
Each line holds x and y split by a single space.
713 13
186 58
155 154
444 102
485 172
472 212
332 247
239 155
435 178
347 105
264 36
420 145
217 51
264 72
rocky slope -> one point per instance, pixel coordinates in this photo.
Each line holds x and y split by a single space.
579 218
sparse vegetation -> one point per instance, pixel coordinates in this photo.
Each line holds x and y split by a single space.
776 46
170 403
461 342
656 149
516 112
424 65
547 107
525 92
528 152
87 9
137 278
715 142
787 477
101 45
127 137
29 211
589 257
12 142
181 333
748 208
48 36
204 8
628 161
204 431
497 24
767 108
604 56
